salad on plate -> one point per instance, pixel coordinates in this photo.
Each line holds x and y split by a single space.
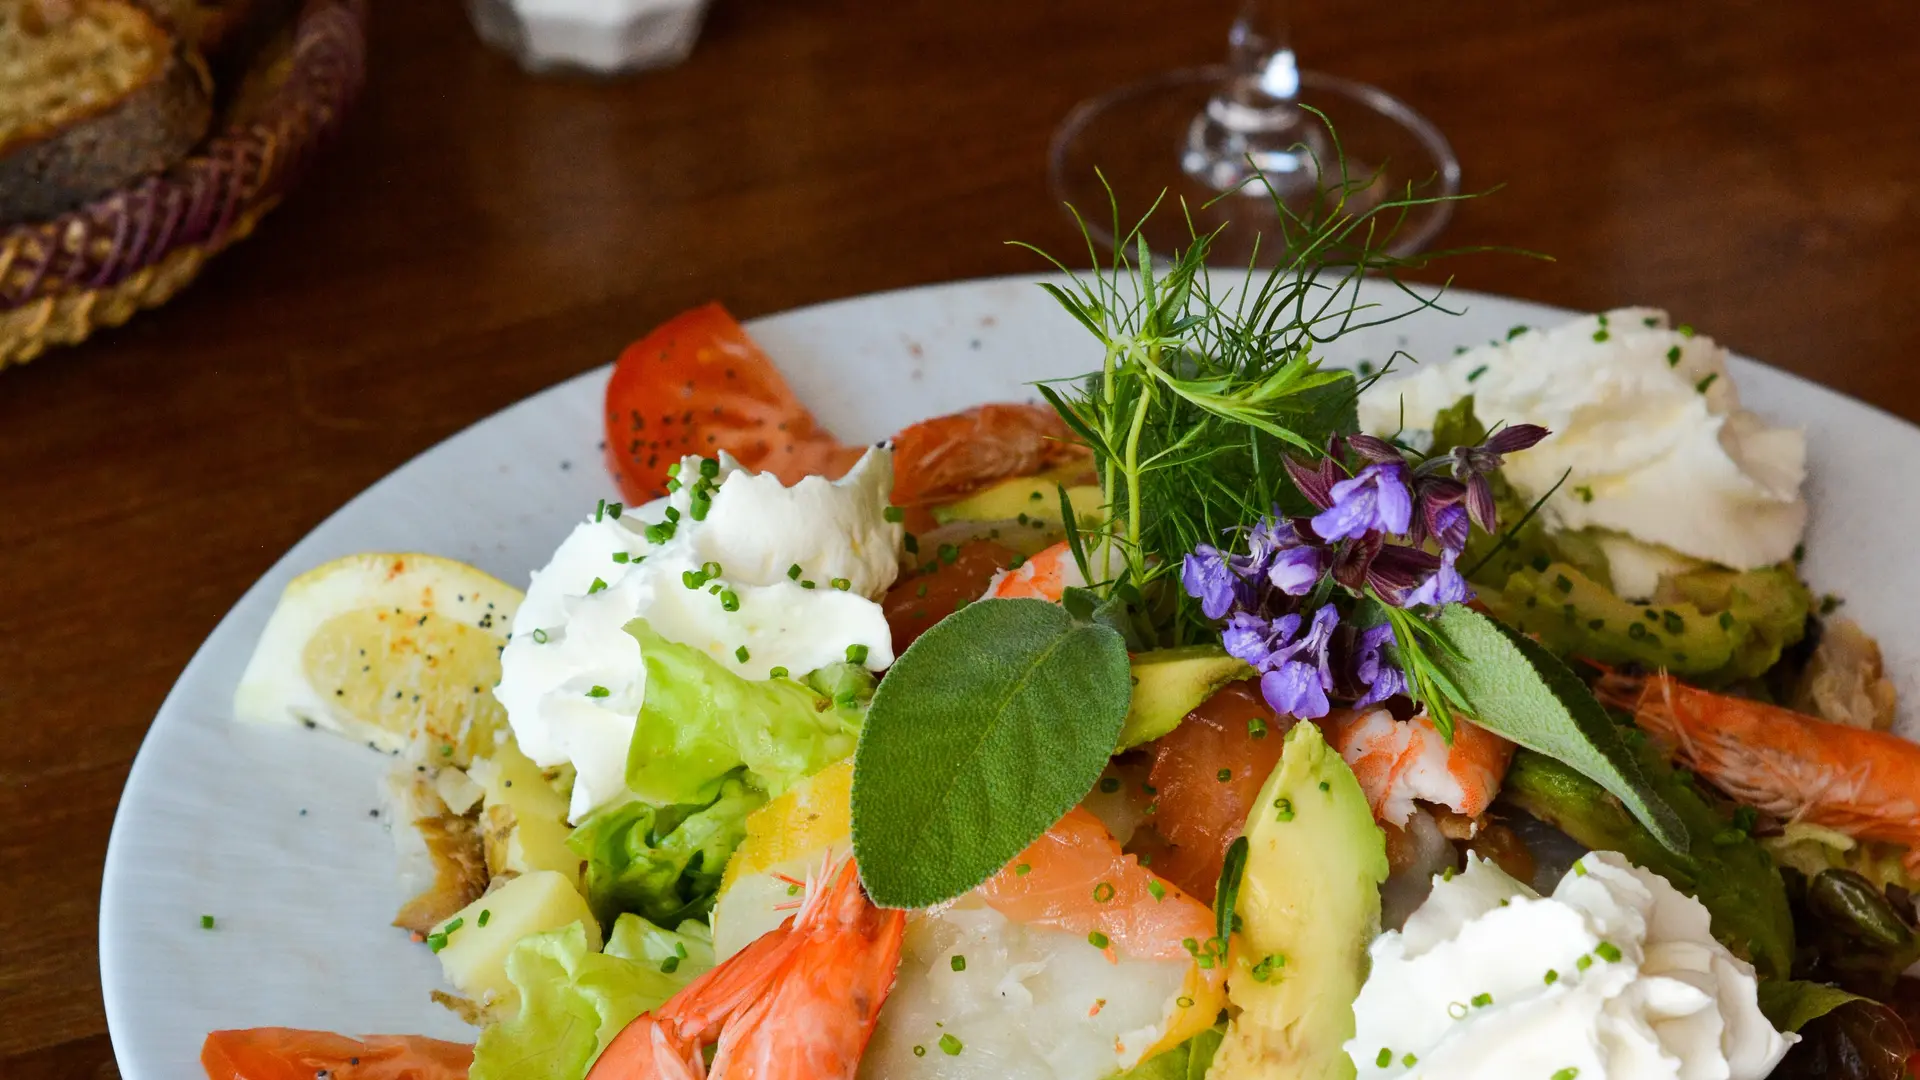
1220 714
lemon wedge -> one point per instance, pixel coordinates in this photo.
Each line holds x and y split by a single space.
387 649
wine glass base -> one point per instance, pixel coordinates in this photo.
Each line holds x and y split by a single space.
1157 136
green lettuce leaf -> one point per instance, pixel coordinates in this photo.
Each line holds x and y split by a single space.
701 722
573 1001
1188 1061
663 862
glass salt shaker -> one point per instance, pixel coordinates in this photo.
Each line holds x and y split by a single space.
602 37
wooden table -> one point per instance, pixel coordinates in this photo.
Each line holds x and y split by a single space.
480 234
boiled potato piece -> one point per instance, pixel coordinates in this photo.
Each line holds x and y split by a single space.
524 818
474 956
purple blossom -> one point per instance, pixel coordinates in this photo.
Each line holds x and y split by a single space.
1374 500
1470 466
1373 670
1209 576
1445 586
1251 638
1292 563
1297 675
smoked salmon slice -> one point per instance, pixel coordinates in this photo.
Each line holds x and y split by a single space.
1076 878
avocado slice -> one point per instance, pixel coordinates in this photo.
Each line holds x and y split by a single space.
1033 497
1170 683
1309 905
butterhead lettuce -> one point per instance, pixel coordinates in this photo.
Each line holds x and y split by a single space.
662 862
573 1001
700 722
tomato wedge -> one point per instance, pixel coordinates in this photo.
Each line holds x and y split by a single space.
698 385
272 1053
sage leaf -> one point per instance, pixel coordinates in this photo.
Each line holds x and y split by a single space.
1519 690
991 726
1790 1004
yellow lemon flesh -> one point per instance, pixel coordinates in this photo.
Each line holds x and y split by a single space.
386 649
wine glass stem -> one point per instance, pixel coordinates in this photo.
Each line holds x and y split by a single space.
1260 52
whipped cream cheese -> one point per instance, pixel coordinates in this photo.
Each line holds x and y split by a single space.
1613 976
1650 425
571 677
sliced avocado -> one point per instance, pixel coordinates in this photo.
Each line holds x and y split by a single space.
1031 497
1170 683
1309 905
1711 626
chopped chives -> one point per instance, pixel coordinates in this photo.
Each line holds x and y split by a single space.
741 654
597 586
206 922
794 571
1384 1058
1481 1001
1102 892
1155 889
950 1045
841 584
539 637
729 600
1110 785
894 514
958 963
777 673
485 914
1607 951
598 691
1098 940
856 654
670 965
621 556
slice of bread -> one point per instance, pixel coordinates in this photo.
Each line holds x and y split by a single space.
93 94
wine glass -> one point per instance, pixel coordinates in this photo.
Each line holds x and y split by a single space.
1254 146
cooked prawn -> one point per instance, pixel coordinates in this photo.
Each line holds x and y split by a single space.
1863 783
950 457
1399 761
801 1001
1046 576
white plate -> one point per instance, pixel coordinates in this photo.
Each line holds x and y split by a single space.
269 829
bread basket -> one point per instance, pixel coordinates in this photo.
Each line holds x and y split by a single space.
135 248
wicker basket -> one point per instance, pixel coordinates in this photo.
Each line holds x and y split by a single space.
135 248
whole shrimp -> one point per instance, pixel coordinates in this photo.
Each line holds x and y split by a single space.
1863 783
800 1002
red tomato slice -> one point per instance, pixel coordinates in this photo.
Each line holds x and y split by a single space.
698 385
291 1054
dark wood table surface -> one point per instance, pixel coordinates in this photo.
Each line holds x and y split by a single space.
479 234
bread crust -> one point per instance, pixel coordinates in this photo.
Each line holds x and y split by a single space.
47 172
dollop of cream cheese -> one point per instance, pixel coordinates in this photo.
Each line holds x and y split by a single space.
1649 425
571 677
1613 977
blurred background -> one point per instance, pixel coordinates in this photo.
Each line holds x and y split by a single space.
475 233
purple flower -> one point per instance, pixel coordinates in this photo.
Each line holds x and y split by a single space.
1209 577
1251 638
1374 500
1470 465
1296 675
1449 525
1292 563
1316 479
1373 670
1445 586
